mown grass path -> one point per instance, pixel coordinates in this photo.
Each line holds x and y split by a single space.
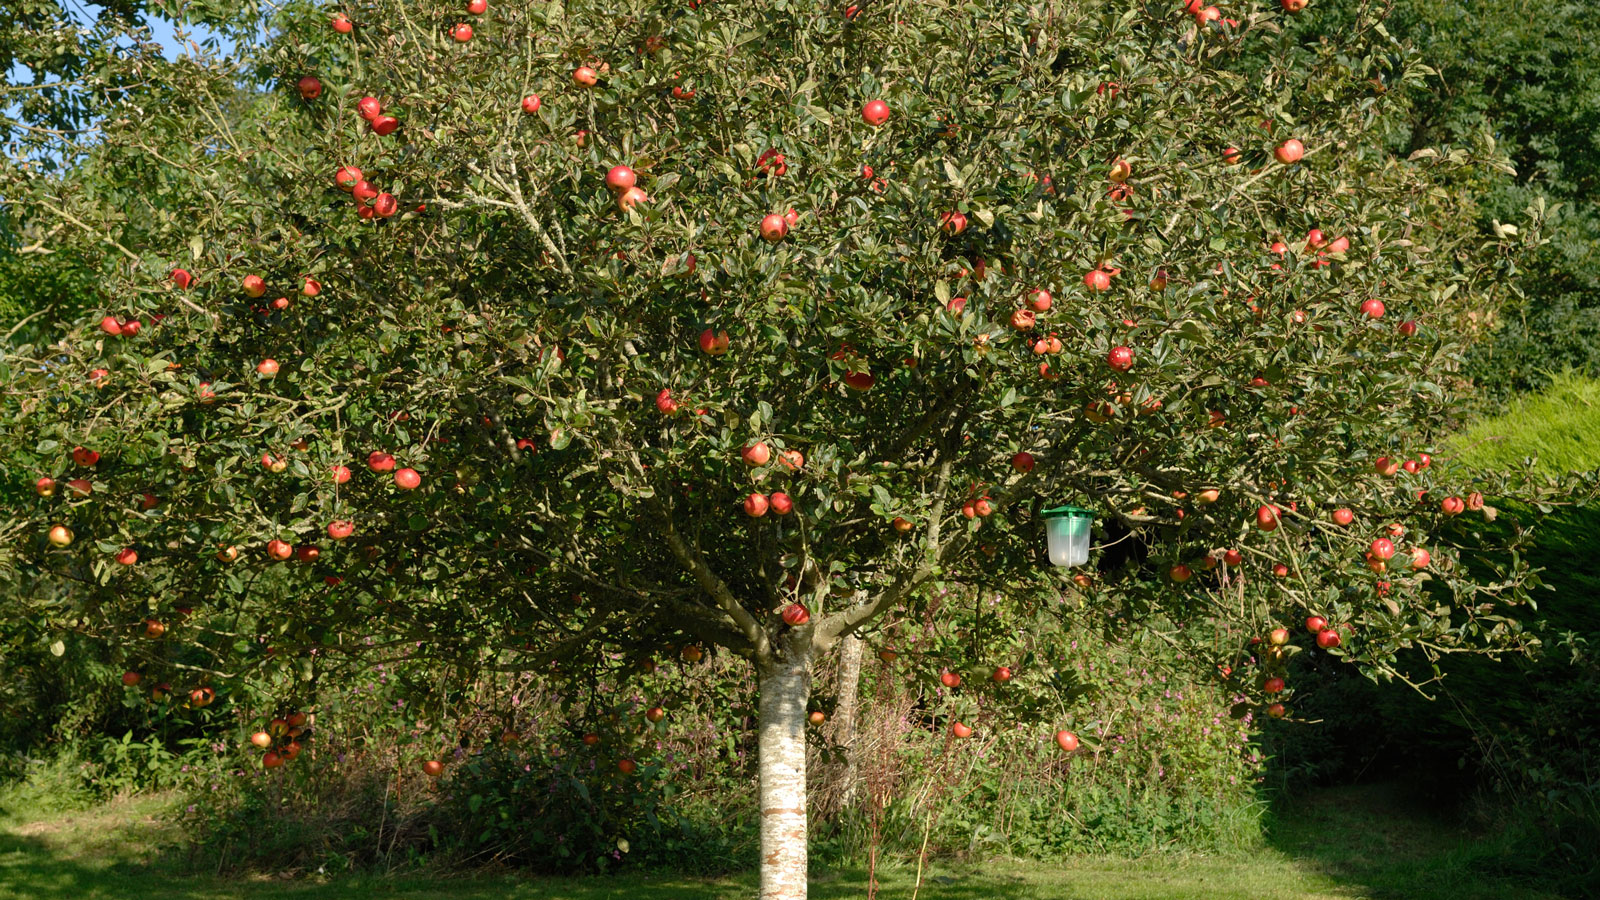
1340 845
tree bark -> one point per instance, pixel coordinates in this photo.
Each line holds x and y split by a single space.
785 685
844 718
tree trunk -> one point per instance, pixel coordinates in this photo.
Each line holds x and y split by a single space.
844 717
785 686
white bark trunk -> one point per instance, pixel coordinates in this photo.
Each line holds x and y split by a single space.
849 686
785 686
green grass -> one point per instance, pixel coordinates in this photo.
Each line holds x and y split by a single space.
1342 845
1560 426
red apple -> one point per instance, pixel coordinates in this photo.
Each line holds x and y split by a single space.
131 678
1022 319
1040 300
385 205
793 460
271 760
268 368
307 553
309 86
341 474
756 505
1420 558
80 487
627 766
1022 461
254 286
949 679
1408 328
462 32
1276 710
585 76
655 714
273 463
1383 465
1120 358
631 197
433 768
1267 518
713 343
1474 501
875 113
1002 674
477 7
960 730
1121 171
665 403
1452 506
342 23
383 126
1373 308
859 381
363 191
782 504
952 223
531 104
1316 624
379 461
45 486
773 228
902 524
816 717
407 480
1180 573
1273 685
1067 741
1097 280
1293 6
1290 151
620 178
127 556
341 529
1382 548
111 326
279 550
796 614
1278 637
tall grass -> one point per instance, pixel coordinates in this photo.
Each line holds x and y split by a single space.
1559 426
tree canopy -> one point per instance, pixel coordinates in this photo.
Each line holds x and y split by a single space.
658 329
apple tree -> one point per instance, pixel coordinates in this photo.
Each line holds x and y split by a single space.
556 337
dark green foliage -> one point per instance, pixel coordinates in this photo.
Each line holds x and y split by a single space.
1510 745
1527 73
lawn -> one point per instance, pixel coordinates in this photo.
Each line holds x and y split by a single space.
1352 843
1559 426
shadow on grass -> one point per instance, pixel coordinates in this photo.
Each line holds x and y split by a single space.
1490 789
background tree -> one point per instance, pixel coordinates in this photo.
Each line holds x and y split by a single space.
669 329
1527 82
